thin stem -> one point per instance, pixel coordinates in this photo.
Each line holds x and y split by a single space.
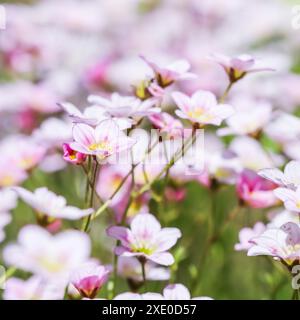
224 96
143 264
9 273
92 192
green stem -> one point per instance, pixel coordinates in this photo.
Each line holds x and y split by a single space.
228 88
86 224
9 273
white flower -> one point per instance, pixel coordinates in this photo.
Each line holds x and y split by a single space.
50 256
46 202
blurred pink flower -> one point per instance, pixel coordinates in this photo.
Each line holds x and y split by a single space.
29 153
166 75
8 202
109 179
175 194
95 76
202 107
73 156
50 256
10 173
92 115
237 67
126 108
247 234
146 239
34 288
255 191
47 203
250 118
166 123
89 278
103 141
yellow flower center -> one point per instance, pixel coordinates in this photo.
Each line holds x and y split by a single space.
7 181
102 146
200 114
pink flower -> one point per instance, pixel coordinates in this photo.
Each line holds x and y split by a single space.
50 256
89 278
168 124
47 203
10 173
166 75
247 234
73 156
96 75
103 141
8 202
255 191
175 194
29 154
34 288
126 108
146 239
109 179
201 108
237 67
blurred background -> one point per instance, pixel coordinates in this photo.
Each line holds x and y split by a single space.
64 50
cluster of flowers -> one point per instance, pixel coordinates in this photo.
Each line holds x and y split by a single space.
247 138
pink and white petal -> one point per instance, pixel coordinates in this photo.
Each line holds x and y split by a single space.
259 251
182 101
128 296
152 296
291 206
124 143
176 292
120 233
99 101
80 148
26 196
145 225
204 99
167 238
181 114
83 134
163 258
107 130
292 172
285 194
73 213
223 111
70 109
272 174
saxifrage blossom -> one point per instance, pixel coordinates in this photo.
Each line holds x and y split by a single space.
202 107
146 239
